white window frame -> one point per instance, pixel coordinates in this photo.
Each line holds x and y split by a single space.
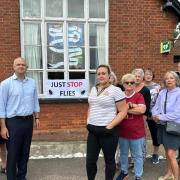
86 21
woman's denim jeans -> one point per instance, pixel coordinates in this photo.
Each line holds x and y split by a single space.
136 147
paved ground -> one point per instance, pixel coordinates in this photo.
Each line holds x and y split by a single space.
74 169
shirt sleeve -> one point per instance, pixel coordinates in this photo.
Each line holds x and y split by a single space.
118 94
36 101
3 98
156 108
172 115
147 99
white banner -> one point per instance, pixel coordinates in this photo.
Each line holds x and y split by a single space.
66 89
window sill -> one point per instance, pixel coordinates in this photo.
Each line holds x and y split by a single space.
62 100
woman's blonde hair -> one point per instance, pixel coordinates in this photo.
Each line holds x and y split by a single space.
174 74
114 78
138 71
128 76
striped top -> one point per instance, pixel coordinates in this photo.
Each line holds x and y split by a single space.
102 107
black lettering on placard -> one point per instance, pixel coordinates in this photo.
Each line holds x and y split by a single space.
58 84
67 93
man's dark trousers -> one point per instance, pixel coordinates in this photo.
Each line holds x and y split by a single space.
18 146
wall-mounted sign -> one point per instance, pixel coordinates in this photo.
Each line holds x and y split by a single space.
66 89
165 46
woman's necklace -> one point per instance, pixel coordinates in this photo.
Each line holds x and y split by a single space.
100 89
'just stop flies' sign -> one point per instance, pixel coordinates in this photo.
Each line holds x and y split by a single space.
66 89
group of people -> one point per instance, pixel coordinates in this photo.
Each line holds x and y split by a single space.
19 110
118 114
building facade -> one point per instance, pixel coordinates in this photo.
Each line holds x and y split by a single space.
65 40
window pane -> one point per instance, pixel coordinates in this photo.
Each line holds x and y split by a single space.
76 58
33 55
75 34
55 75
97 57
38 77
76 8
32 34
77 75
55 46
31 8
97 35
97 8
54 8
92 80
76 51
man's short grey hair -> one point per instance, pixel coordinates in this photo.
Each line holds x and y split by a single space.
138 71
127 77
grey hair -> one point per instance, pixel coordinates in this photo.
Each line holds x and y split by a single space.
174 74
128 76
138 71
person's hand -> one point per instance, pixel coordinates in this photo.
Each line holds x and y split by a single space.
155 118
37 123
4 133
130 105
109 126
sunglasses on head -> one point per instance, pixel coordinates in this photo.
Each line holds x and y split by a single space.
132 82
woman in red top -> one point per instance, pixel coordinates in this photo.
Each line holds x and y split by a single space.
132 130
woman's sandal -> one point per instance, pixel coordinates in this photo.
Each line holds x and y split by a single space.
2 170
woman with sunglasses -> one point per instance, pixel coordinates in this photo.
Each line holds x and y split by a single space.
105 100
132 131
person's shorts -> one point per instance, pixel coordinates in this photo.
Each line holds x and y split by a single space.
168 140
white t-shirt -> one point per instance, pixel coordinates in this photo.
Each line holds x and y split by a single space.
102 108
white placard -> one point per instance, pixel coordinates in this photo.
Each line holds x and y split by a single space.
66 89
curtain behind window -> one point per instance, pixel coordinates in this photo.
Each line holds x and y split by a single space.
33 54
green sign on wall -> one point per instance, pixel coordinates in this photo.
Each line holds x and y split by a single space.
165 46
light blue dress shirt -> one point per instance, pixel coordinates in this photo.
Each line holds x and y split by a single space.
18 97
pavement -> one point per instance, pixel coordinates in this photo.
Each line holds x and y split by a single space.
74 169
66 161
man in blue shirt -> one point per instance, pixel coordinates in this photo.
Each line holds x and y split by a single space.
19 106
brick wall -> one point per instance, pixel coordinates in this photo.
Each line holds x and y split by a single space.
136 29
9 35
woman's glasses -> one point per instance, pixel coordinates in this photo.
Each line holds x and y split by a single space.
131 82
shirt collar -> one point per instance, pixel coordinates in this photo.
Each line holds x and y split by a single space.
130 95
16 78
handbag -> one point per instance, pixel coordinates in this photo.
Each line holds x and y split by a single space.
172 127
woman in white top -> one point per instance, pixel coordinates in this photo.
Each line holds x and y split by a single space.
105 100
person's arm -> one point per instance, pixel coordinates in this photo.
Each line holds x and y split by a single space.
4 130
122 112
174 113
156 108
136 109
37 119
147 99
36 109
4 89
